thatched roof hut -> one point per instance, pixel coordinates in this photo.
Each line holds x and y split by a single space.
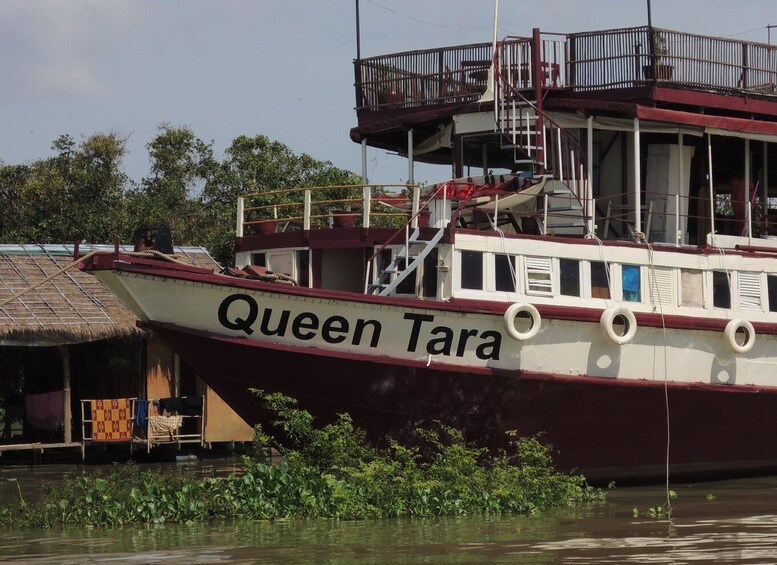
73 307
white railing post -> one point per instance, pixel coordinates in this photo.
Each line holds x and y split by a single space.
240 213
711 188
407 245
677 233
306 211
589 189
366 206
416 205
637 179
749 213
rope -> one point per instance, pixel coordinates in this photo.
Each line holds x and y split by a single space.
657 293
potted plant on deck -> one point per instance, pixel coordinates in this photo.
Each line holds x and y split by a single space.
658 68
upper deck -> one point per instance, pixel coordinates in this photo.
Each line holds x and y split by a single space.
603 70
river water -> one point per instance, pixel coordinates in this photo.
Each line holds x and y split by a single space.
714 522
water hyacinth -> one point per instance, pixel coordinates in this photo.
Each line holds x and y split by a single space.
326 472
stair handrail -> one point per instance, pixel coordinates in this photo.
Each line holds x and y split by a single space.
403 228
501 83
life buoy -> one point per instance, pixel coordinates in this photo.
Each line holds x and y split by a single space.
512 312
731 335
622 316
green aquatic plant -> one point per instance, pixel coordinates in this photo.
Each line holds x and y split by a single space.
659 511
331 471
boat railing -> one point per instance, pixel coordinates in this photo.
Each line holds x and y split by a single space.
637 56
323 207
596 60
672 218
450 75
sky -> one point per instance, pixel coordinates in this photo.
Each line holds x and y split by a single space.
280 68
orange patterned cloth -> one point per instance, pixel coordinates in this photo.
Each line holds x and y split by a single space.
111 420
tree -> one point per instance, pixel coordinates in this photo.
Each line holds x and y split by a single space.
82 192
76 194
181 164
255 165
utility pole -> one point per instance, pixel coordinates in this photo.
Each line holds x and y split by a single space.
769 32
650 15
358 34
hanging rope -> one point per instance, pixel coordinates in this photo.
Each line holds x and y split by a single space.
655 292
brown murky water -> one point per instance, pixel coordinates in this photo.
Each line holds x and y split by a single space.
717 522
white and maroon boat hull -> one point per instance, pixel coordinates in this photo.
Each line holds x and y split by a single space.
395 364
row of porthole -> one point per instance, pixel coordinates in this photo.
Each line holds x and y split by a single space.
624 317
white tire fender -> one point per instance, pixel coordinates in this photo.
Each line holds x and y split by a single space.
731 335
509 319
623 316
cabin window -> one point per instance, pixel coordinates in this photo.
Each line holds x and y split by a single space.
569 275
750 291
538 276
771 283
430 274
691 288
721 289
504 270
631 282
259 259
600 280
472 270
303 267
281 262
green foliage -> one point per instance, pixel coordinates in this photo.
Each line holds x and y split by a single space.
439 475
659 511
330 471
82 192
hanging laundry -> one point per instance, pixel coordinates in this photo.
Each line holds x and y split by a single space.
111 420
46 411
141 413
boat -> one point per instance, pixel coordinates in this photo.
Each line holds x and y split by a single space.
596 270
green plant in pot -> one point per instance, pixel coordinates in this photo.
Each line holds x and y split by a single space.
659 67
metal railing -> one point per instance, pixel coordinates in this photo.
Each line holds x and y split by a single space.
429 77
641 55
328 206
671 216
596 60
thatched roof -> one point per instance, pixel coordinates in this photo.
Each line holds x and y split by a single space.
73 307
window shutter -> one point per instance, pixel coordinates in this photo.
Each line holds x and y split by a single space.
750 291
538 276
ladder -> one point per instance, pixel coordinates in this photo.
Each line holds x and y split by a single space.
404 264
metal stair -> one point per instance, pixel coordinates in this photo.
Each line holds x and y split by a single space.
541 144
404 264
